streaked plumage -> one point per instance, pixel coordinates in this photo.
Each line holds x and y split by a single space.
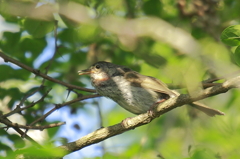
134 92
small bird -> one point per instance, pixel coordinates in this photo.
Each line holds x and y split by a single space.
133 91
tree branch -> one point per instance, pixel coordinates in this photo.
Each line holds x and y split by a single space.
38 73
142 119
18 109
62 105
23 134
16 125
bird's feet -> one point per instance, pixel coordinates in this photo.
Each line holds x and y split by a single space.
151 112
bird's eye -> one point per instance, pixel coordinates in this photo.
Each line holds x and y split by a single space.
97 66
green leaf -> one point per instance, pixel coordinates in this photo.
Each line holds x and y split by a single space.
152 7
87 33
5 10
5 148
236 56
10 73
68 36
203 153
18 141
47 151
34 46
38 28
9 42
69 22
231 35
14 93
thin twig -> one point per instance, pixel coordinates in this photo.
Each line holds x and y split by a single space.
16 125
19 109
101 125
221 77
55 48
23 134
53 57
29 94
99 115
78 94
62 105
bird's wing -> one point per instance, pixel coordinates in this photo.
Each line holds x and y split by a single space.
148 82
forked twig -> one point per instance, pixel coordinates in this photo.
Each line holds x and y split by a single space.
57 106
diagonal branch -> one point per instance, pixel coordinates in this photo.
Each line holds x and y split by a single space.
142 119
62 105
29 95
15 125
19 109
38 73
23 134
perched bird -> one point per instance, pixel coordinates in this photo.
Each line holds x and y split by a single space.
134 92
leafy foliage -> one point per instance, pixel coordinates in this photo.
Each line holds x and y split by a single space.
178 42
231 36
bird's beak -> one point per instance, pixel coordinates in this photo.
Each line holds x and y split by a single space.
84 72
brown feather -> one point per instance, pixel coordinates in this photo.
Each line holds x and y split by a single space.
207 110
147 82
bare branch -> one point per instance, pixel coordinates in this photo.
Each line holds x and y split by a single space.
222 77
23 134
38 73
62 105
6 121
15 125
29 94
19 109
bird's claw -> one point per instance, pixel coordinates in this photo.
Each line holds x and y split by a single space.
151 113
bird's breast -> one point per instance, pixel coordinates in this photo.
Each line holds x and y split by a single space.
134 99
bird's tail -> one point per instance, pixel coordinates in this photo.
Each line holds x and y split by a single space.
207 110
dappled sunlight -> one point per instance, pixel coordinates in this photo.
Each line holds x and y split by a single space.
29 9
45 43
129 30
216 58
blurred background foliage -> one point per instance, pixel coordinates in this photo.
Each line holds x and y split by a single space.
178 42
